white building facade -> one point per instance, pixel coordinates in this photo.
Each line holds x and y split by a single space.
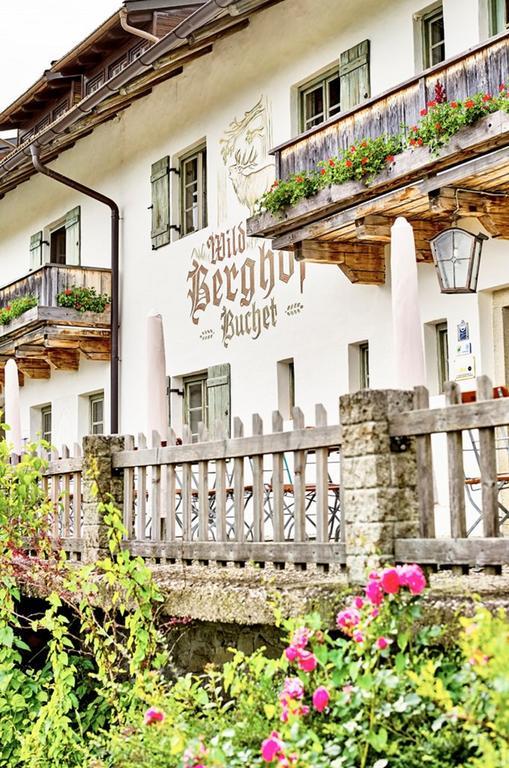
271 332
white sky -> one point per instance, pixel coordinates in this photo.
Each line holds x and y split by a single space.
35 32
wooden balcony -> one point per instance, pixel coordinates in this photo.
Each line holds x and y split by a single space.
48 337
349 224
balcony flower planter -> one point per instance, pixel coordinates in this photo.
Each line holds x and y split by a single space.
16 308
83 299
446 131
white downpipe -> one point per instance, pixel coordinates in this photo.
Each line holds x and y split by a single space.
133 30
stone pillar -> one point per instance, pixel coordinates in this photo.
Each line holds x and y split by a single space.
379 493
98 470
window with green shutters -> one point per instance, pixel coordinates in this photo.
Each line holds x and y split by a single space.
73 236
160 183
207 400
63 241
341 87
499 16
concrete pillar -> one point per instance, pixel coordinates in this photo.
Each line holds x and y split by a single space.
97 470
379 493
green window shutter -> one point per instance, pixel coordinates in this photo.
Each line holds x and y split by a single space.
72 236
36 250
218 398
354 74
160 182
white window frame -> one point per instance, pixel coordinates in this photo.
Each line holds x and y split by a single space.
45 411
92 400
498 14
187 381
199 153
286 387
323 79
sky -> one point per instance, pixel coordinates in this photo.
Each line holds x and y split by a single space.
35 32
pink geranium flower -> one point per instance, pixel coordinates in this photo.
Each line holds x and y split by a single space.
291 653
307 661
390 581
301 637
272 747
293 688
358 602
383 642
348 619
412 576
321 698
374 592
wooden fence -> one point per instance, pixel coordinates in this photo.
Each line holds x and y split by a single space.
275 497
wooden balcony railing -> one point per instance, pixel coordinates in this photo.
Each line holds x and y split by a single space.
482 68
48 336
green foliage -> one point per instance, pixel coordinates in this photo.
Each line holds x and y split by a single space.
367 158
16 308
83 299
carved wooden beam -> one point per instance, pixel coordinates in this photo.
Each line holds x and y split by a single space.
376 228
492 209
96 348
64 359
35 368
361 263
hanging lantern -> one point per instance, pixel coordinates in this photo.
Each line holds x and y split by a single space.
457 256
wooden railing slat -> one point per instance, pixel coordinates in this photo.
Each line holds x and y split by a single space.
169 507
322 480
258 485
455 470
238 485
299 482
424 458
488 465
142 492
187 489
129 493
277 483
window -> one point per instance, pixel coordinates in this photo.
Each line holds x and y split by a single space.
320 100
341 87
364 365
442 342
358 366
195 402
57 245
193 192
46 423
286 387
499 16
94 83
433 37
97 414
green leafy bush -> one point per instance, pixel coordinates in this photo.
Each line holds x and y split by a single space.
16 308
83 299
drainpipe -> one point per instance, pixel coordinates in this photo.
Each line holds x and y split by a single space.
134 30
115 217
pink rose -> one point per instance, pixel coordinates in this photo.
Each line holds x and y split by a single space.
382 643
153 715
412 576
348 619
291 653
293 688
307 661
301 637
358 602
390 581
321 698
272 747
374 592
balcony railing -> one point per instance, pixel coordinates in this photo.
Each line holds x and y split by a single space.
482 68
49 336
341 212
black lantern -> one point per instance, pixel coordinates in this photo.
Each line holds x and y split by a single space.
457 256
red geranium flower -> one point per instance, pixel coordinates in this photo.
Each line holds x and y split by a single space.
502 87
332 163
352 148
454 104
299 179
469 104
414 128
438 126
419 141
8 308
364 144
423 112
348 163
432 103
323 171
413 142
487 97
389 159
364 160
68 290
